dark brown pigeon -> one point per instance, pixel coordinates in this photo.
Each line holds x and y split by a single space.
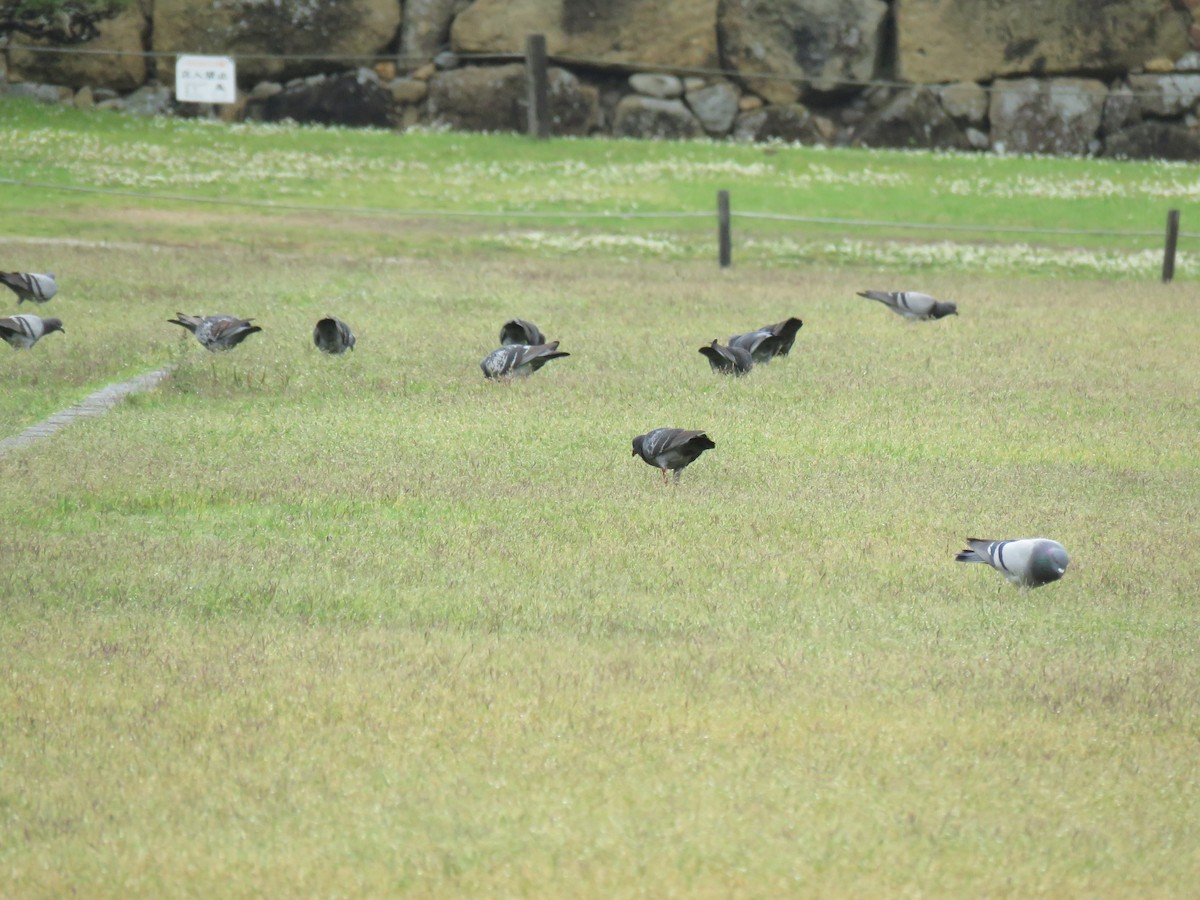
22 332
519 360
217 332
728 360
518 331
769 341
332 335
671 448
36 286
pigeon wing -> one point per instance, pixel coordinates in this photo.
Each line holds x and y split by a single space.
675 447
36 286
519 359
226 332
759 344
21 327
518 331
538 356
191 323
785 334
728 360
23 331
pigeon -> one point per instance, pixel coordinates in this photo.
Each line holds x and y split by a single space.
519 359
759 344
1028 562
30 285
217 332
769 341
671 448
332 335
518 331
728 360
912 304
22 332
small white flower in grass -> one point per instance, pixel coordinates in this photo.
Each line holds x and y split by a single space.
950 255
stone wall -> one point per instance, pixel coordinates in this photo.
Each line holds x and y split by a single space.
1118 77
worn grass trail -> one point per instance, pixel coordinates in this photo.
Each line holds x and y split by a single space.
371 624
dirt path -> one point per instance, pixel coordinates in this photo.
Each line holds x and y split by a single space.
93 405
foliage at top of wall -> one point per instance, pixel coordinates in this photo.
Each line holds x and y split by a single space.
72 22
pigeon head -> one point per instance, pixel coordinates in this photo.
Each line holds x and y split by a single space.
941 309
1048 563
49 325
637 445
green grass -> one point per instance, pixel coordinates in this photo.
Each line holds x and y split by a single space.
541 194
292 624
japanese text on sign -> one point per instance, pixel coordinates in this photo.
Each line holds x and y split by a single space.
205 79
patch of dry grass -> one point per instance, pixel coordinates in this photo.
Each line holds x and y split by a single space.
225 757
307 625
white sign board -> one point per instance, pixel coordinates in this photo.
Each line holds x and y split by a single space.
205 79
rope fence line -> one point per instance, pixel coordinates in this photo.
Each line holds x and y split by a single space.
725 216
929 226
583 214
999 86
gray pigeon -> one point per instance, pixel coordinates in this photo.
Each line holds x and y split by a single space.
22 332
728 360
31 285
519 359
759 344
217 332
1028 562
769 341
671 448
332 335
912 304
518 331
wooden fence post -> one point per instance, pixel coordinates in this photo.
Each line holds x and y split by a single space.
1168 270
537 85
724 238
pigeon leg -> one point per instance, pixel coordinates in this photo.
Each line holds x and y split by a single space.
664 471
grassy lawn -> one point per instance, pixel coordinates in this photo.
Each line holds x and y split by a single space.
426 193
299 625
